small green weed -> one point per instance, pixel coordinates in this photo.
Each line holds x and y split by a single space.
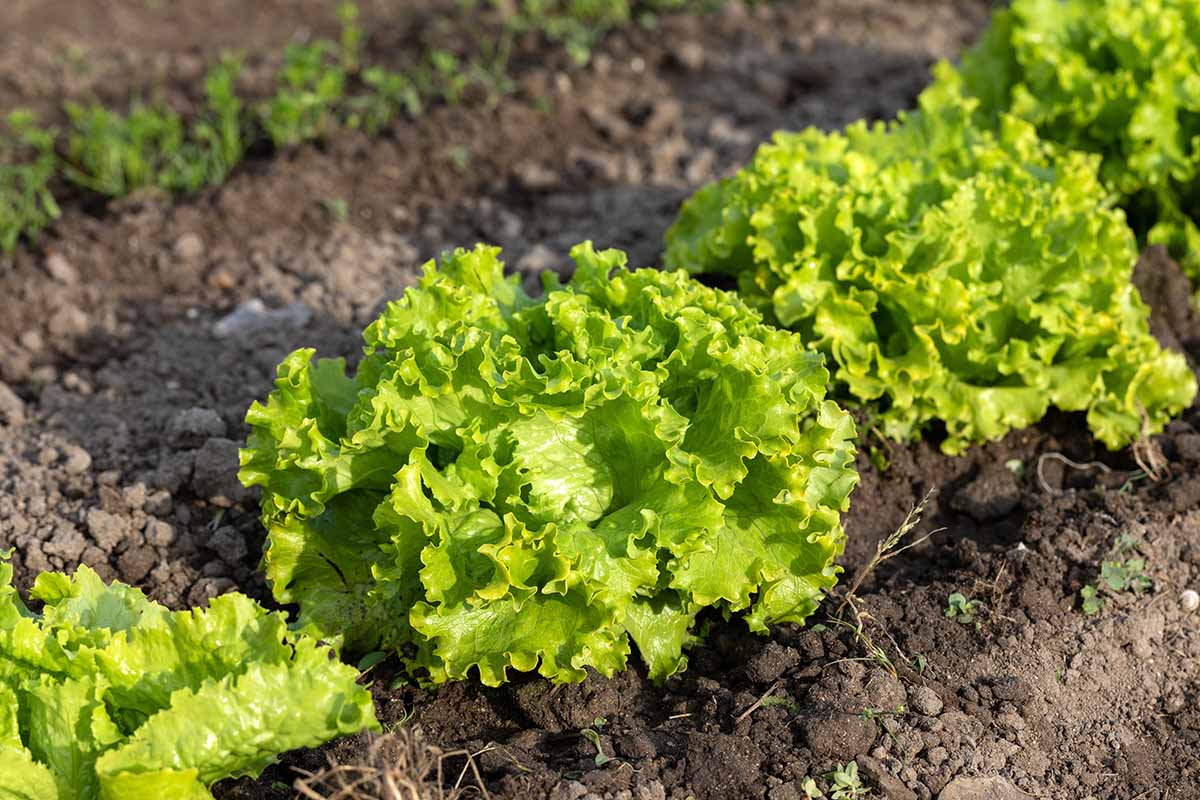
592 735
844 783
1119 572
27 165
311 84
963 610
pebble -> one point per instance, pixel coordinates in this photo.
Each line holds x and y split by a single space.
214 477
108 530
1189 600
229 545
12 408
68 322
61 270
888 784
76 460
189 247
192 427
690 55
924 700
993 788
159 533
253 316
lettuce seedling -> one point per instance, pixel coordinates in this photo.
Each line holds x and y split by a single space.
524 483
950 272
1119 78
105 694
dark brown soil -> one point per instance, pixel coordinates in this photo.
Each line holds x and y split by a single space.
124 379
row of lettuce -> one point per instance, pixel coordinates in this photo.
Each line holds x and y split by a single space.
510 482
322 89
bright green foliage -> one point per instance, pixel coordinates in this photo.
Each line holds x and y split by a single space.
580 24
27 165
950 273
311 85
115 154
1120 78
105 694
391 94
529 483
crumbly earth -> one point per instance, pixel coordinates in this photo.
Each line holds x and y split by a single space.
136 334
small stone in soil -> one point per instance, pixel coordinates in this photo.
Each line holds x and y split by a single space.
61 270
189 247
924 700
76 461
107 530
159 533
253 316
993 788
1189 600
192 427
12 408
214 475
229 544
889 785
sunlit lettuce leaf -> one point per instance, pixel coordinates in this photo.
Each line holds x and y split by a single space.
545 483
108 694
238 724
951 273
1119 78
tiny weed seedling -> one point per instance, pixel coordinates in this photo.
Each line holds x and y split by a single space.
963 610
1121 571
27 165
779 700
337 208
845 783
592 734
351 40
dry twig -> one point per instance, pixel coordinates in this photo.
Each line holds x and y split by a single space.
888 548
399 766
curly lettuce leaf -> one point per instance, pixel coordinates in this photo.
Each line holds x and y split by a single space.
239 724
949 272
568 477
108 694
1118 78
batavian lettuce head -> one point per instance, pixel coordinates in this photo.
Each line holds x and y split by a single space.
105 694
950 272
1119 78
531 483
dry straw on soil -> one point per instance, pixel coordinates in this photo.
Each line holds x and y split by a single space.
398 766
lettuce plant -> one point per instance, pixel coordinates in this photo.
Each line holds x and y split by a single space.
105 694
1120 78
950 272
531 483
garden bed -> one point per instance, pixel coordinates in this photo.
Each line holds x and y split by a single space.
125 375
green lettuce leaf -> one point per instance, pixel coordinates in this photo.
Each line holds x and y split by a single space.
108 694
950 273
1118 78
543 483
